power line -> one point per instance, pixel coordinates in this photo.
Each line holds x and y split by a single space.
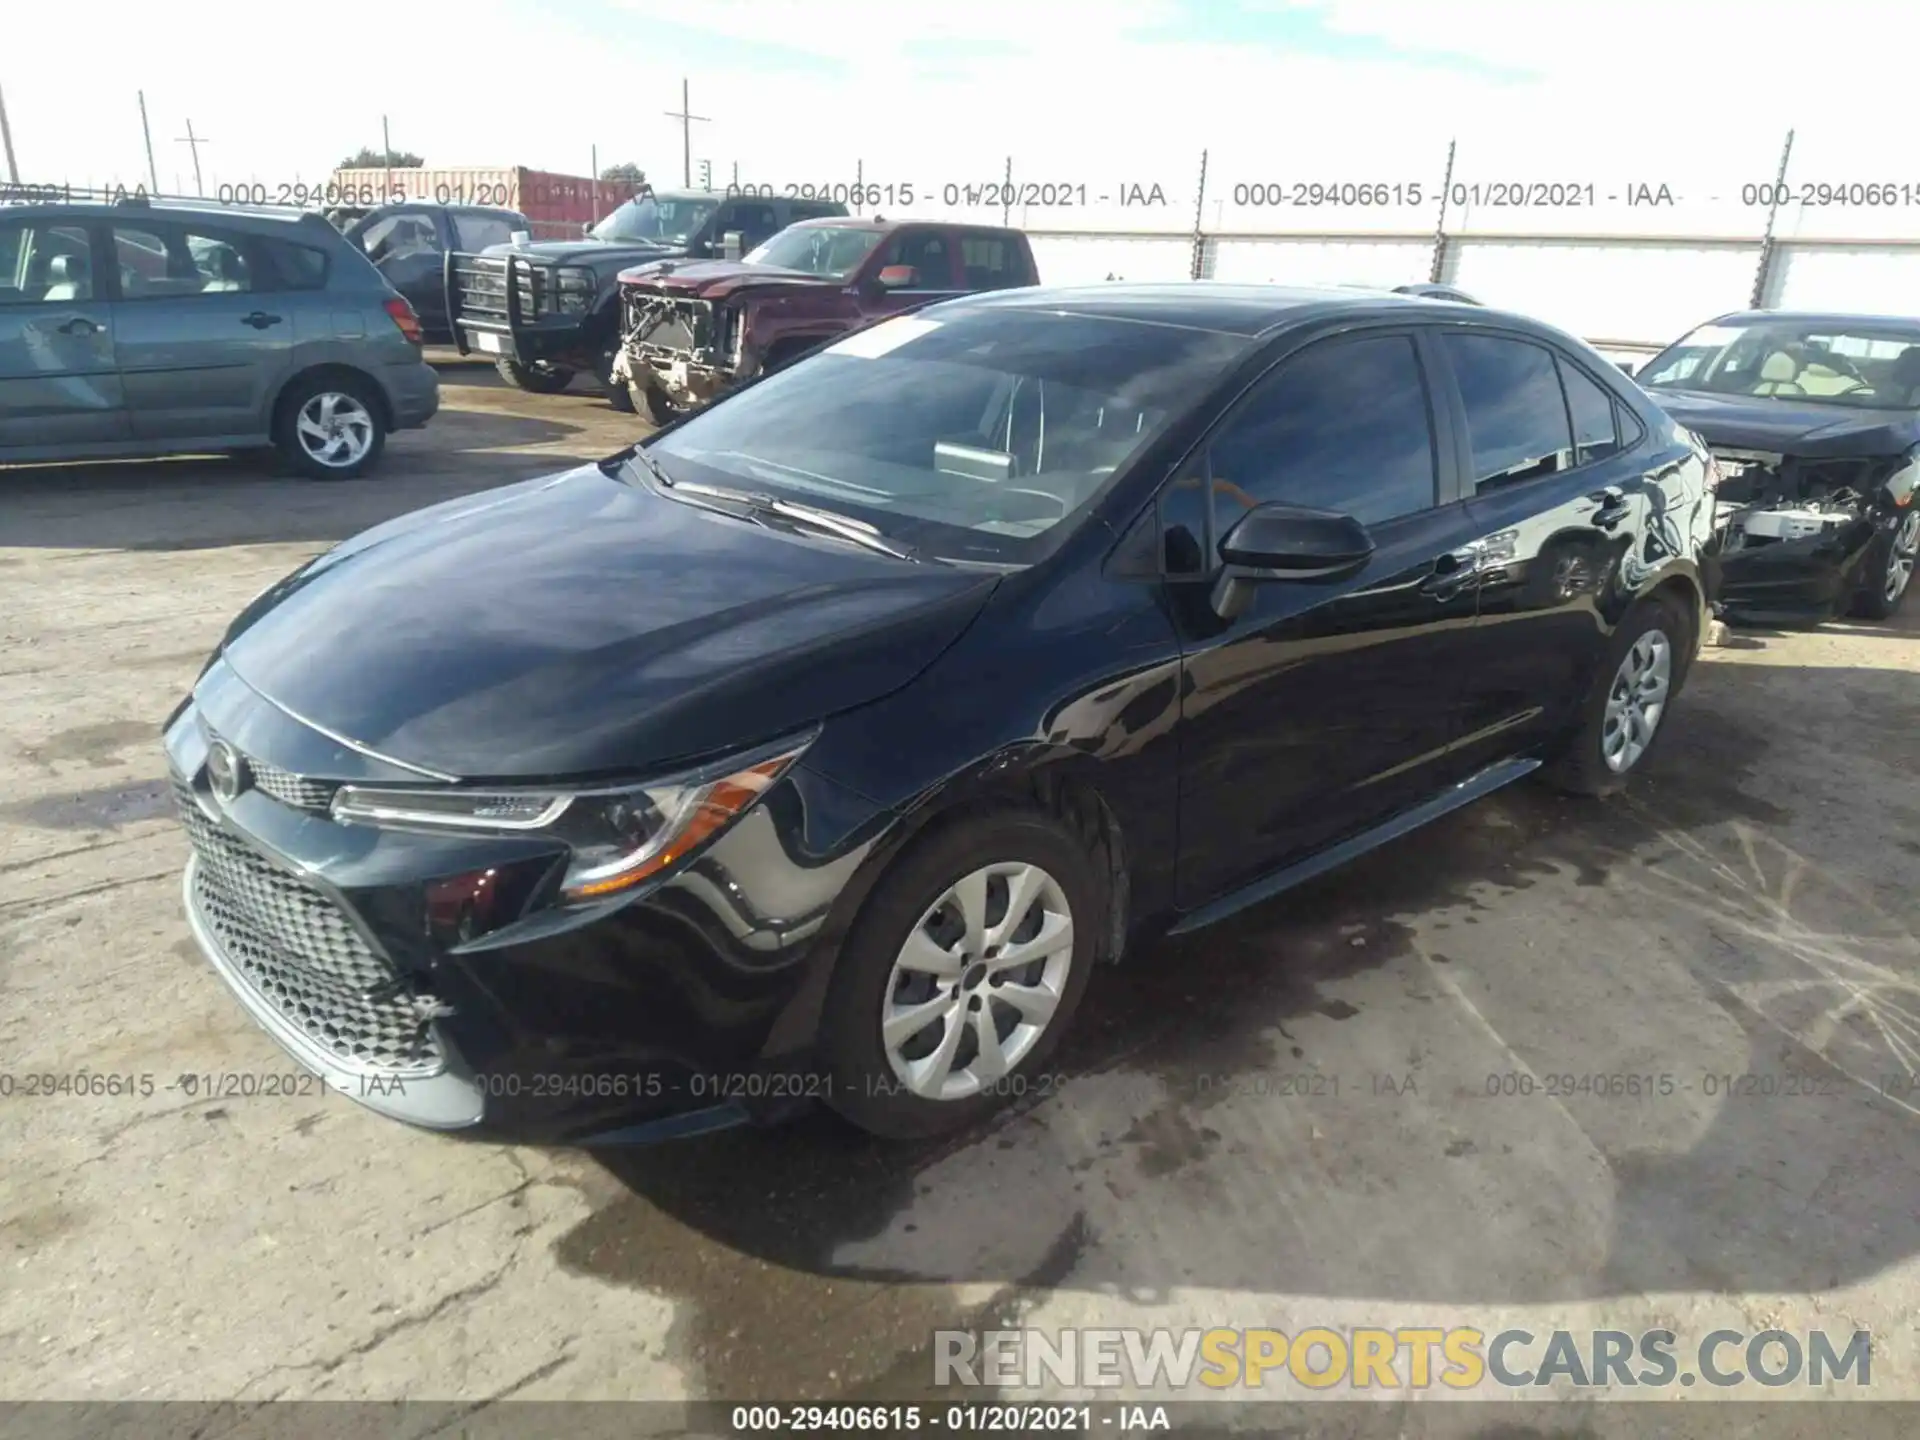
6 142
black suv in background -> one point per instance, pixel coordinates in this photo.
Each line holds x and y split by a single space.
408 244
547 310
826 743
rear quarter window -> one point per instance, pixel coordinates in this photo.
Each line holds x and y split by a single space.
296 267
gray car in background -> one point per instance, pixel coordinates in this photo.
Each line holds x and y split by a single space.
154 328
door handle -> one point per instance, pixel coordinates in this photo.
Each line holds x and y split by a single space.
80 325
259 319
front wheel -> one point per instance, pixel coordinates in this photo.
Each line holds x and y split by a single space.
329 428
617 393
1887 584
654 401
1623 714
539 378
960 975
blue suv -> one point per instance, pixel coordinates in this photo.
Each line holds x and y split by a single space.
149 327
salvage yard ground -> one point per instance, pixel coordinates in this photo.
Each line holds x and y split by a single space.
1749 909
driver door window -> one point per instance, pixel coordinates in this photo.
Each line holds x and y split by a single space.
757 224
1342 426
928 252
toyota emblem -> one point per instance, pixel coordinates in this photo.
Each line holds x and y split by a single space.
226 771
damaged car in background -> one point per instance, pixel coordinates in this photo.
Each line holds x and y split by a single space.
692 330
548 310
1814 421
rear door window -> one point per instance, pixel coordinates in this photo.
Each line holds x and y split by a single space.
990 262
1517 420
171 262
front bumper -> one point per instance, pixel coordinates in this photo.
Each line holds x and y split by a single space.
431 979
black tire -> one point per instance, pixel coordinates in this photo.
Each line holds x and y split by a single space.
540 379
616 391
1581 768
865 1087
1872 602
653 400
287 432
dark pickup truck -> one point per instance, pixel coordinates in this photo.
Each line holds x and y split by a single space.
408 243
691 330
546 310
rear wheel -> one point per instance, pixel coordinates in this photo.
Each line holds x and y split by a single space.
1886 586
537 378
1623 714
961 974
329 428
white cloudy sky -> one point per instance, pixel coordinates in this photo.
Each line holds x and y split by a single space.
1693 93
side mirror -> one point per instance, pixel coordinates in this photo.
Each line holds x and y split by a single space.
732 245
897 277
1286 542
1626 365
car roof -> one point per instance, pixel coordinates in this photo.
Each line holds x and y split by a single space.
172 209
1815 317
1235 309
858 222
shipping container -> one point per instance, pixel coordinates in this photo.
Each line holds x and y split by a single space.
557 204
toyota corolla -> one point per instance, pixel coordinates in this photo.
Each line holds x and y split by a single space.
826 745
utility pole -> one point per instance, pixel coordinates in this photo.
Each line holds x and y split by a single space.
193 142
686 117
146 133
386 158
6 141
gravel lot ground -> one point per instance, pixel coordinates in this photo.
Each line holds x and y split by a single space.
1748 910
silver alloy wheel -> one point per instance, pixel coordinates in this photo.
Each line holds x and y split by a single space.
1906 547
1636 701
978 981
335 429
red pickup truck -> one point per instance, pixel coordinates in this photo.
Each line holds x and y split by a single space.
693 329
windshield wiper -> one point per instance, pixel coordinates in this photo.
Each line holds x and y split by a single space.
844 527
654 468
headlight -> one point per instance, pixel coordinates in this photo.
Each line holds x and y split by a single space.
1904 480
619 837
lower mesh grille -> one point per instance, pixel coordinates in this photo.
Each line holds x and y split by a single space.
295 947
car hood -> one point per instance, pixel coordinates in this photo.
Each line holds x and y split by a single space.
714 279
1783 426
579 625
598 253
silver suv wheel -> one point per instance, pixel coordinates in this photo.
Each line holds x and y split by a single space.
978 981
334 429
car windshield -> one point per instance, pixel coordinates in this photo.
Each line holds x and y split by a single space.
818 249
652 218
979 433
1865 364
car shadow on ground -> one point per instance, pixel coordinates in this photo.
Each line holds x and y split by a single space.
198 502
1460 985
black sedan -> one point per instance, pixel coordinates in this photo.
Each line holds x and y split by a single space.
1815 422
825 745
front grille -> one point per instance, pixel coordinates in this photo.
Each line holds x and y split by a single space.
657 322
480 285
294 946
289 788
